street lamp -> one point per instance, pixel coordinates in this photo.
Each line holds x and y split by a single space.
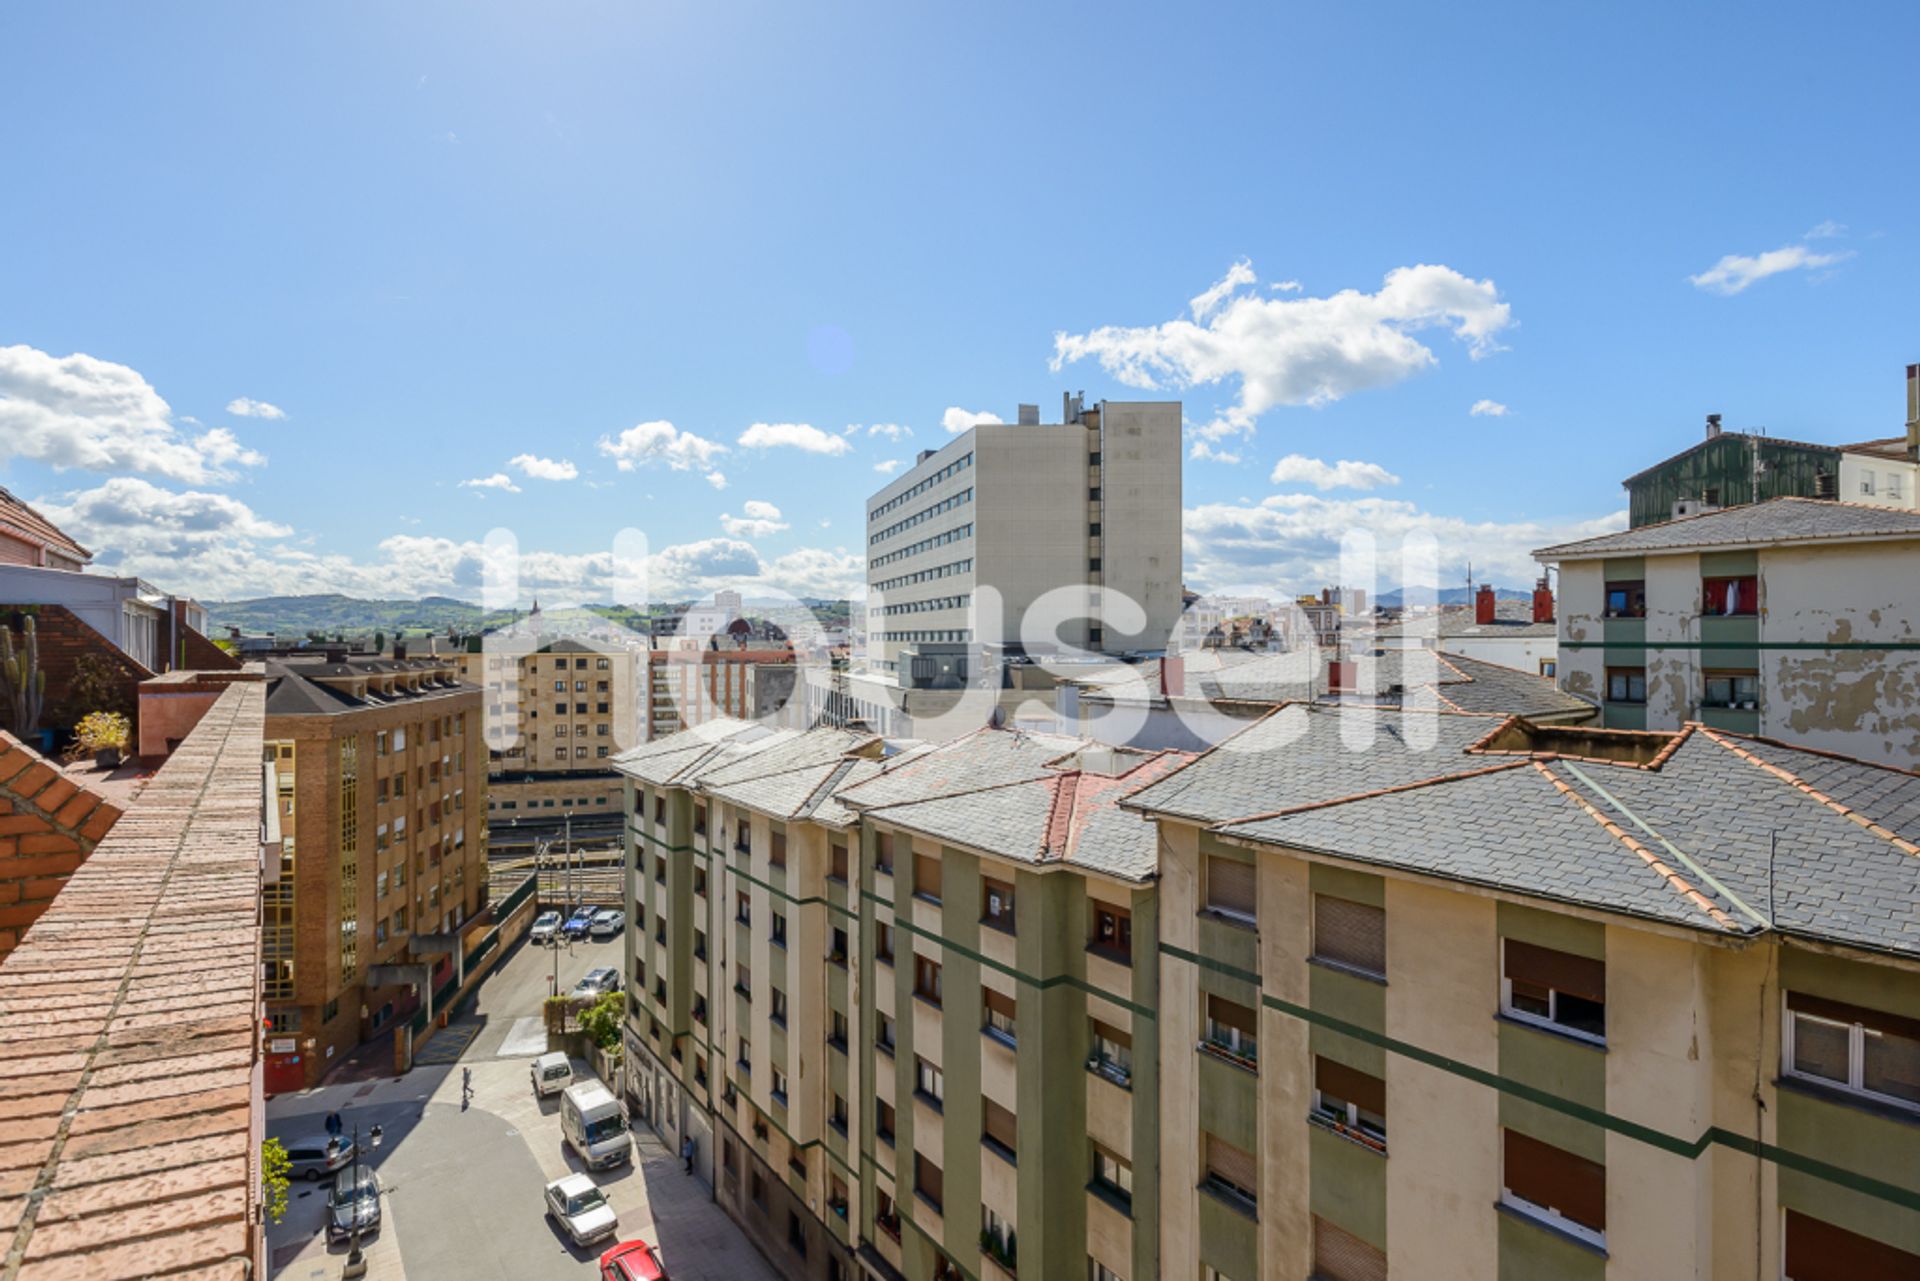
356 1265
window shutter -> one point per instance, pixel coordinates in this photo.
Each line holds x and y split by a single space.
1232 1014
999 1004
1113 1034
1562 971
1840 1012
926 875
1350 1084
1557 1179
1232 1164
1819 1251
1350 933
1232 886
928 1179
1338 1255
998 1124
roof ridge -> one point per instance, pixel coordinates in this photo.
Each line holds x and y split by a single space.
1059 830
1792 779
1414 786
1809 750
1674 880
970 791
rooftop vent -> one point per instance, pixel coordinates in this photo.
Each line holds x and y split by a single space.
1029 416
1713 426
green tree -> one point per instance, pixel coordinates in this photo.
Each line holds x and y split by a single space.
273 1178
601 1021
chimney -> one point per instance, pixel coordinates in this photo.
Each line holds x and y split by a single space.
1485 610
1339 676
1173 676
1913 412
1713 426
399 649
1542 601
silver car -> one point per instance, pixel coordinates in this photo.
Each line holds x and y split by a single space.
607 923
315 1157
577 1204
353 1204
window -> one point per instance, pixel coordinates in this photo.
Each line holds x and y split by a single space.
1231 888
1626 684
780 1087
885 1214
837 1031
837 947
1853 1048
1866 483
929 1082
1737 596
1338 1255
777 852
1554 989
883 1121
883 1033
1627 598
1112 1175
883 853
1730 689
1112 1053
757 1188
999 1133
928 1181
742 907
1817 1251
743 981
699 820
1350 1102
744 1060
998 1020
837 861
1349 934
1553 1185
1098 1271
883 944
997 1236
1230 1172
1112 933
926 877
926 979
1549 668
1231 1032
779 1014
779 930
660 869
996 898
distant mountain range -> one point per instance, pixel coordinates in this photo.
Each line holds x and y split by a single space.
292 617
1452 596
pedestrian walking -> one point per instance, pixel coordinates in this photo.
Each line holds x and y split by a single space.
466 1085
686 1152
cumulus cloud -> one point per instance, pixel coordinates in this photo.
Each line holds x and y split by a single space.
758 520
1295 350
1488 409
499 480
78 411
1289 542
801 436
888 466
957 420
1298 469
661 442
140 528
543 468
892 431
718 479
1205 451
1734 273
248 407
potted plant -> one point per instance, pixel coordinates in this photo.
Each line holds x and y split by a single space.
105 734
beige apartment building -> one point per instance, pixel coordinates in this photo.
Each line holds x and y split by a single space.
556 713
380 771
688 683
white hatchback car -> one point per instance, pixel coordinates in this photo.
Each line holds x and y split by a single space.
545 926
578 1205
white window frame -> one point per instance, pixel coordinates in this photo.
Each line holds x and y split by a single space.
1511 1011
1350 1117
1550 1217
1856 1059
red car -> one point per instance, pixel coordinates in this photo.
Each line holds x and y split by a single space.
631 1261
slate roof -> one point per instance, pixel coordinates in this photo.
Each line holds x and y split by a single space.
292 692
1776 521
1495 689
982 759
681 757
1706 829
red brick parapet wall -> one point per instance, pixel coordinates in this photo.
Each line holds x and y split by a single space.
130 1104
48 825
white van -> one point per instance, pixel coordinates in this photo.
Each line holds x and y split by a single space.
551 1073
594 1125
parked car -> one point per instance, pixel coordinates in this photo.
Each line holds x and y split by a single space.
608 923
551 1073
577 1204
352 1204
598 982
592 1124
577 924
314 1157
545 926
633 1260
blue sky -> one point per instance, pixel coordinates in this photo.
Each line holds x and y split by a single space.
440 237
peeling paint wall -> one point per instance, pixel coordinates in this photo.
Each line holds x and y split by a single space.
1583 671
1673 617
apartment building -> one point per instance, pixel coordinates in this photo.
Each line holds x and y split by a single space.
1520 634
687 683
557 712
849 985
1793 618
380 770
1538 1002
1090 505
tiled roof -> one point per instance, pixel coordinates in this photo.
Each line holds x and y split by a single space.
681 756
129 1031
1706 829
1494 689
24 522
982 759
1778 520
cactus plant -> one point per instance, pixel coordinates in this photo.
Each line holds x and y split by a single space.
24 684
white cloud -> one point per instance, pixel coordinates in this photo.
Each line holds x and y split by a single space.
1298 469
759 520
499 480
1735 272
543 468
1296 350
661 442
1825 230
957 420
1488 409
1288 543
892 431
888 466
801 436
1206 452
81 412
248 407
718 479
